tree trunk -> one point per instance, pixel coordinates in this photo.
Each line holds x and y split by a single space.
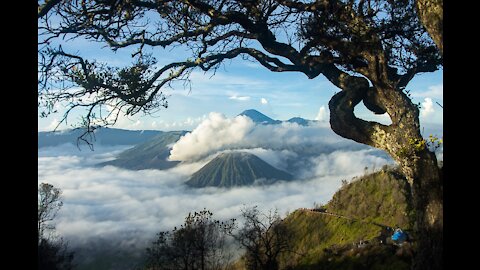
430 13
427 194
403 141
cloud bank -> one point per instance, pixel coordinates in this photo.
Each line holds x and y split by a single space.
131 206
125 209
217 133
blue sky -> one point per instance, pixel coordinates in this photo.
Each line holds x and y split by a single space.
241 85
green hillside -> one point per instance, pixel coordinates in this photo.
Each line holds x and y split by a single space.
379 197
235 169
325 241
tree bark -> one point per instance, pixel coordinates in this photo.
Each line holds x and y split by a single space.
403 141
430 13
428 204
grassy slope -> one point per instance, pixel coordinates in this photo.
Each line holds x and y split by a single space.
325 241
379 197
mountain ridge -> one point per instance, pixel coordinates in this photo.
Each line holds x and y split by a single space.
102 135
259 117
151 154
299 120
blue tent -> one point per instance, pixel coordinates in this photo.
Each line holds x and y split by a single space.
399 236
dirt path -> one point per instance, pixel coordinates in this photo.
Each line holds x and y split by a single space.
345 217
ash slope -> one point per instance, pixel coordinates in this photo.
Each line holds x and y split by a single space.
236 169
152 154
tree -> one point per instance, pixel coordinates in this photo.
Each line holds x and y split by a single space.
200 243
53 252
370 49
264 237
49 203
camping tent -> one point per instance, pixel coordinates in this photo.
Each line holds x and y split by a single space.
399 236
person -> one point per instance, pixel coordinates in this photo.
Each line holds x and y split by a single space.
384 234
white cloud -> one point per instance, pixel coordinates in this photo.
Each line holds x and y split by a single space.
203 83
264 101
189 121
349 162
239 98
52 125
218 133
322 115
427 108
213 133
137 124
434 91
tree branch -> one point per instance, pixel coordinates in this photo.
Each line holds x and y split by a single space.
44 8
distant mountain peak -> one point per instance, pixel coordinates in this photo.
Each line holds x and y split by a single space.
236 169
259 117
249 111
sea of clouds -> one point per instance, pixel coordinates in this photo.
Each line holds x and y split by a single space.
127 208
